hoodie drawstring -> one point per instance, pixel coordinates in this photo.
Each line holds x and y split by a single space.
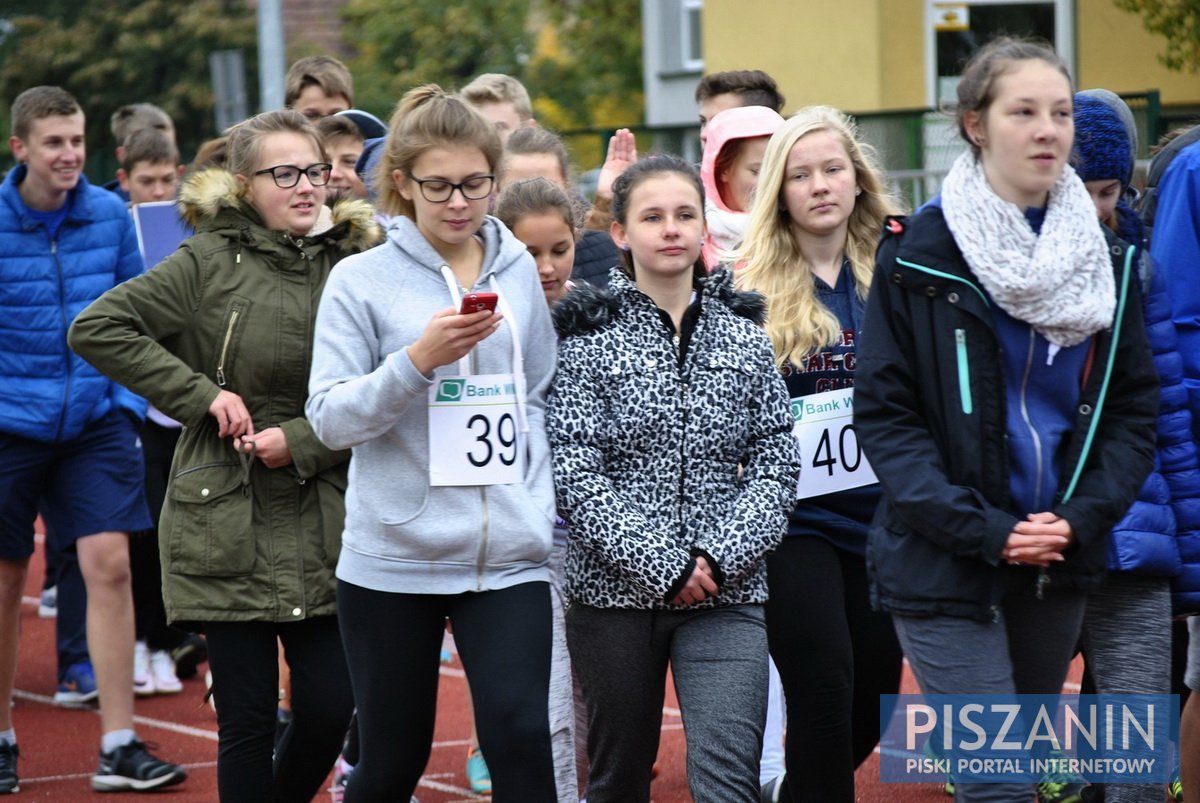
518 358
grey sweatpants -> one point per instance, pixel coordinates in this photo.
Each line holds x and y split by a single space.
718 659
1126 642
1028 650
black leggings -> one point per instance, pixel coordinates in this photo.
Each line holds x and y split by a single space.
244 660
835 657
150 617
393 642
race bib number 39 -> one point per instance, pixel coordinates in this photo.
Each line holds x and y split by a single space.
475 436
832 459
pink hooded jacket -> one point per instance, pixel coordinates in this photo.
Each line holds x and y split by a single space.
725 226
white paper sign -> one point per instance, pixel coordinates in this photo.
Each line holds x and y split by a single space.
475 435
832 459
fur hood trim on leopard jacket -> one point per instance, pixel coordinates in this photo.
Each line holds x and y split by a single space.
590 309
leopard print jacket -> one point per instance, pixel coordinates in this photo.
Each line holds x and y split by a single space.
656 464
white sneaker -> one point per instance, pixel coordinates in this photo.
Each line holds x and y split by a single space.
48 603
163 670
143 679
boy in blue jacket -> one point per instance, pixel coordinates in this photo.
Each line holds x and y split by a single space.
68 435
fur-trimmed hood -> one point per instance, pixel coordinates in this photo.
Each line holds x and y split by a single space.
209 200
589 309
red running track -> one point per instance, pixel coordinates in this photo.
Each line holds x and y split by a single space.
59 745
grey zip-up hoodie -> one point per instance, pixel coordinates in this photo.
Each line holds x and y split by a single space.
403 535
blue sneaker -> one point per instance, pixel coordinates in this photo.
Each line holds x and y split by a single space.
78 684
478 774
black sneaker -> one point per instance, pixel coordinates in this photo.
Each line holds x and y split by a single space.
8 768
132 768
191 652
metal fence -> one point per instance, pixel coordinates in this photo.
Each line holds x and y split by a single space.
915 147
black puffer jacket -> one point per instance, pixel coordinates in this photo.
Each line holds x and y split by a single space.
654 463
930 411
595 256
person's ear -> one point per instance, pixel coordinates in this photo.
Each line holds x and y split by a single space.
617 232
402 185
973 123
123 178
18 148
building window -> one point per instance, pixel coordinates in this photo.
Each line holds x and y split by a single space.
693 50
956 30
681 37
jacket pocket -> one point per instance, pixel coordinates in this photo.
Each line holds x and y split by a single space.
234 324
208 522
964 371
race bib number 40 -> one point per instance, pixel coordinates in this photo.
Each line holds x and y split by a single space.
475 436
832 459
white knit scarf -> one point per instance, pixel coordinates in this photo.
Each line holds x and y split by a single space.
1060 281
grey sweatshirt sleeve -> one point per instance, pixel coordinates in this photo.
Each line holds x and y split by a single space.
354 395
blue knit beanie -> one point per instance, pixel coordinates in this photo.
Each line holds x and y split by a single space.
1105 137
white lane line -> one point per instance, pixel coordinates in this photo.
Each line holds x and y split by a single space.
77 776
174 727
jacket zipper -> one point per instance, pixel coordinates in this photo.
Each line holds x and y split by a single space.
484 513
484 523
944 275
225 348
1122 300
964 371
1033 433
62 311
684 392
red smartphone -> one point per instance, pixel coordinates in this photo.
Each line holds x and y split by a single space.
477 302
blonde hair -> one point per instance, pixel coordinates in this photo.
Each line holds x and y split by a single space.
428 117
494 87
324 72
244 140
770 258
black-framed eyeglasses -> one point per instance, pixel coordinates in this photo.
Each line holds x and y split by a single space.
438 191
288 176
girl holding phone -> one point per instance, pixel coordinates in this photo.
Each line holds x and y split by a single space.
450 503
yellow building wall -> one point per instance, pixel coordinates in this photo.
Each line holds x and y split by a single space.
1116 52
902 43
869 55
818 51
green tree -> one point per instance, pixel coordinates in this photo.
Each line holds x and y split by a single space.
403 45
111 53
1176 20
596 79
580 59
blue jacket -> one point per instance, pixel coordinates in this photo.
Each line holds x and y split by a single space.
1146 540
47 393
1175 249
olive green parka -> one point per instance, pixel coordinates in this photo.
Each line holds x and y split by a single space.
233 308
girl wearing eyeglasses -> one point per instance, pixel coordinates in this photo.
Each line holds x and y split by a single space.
219 337
451 503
